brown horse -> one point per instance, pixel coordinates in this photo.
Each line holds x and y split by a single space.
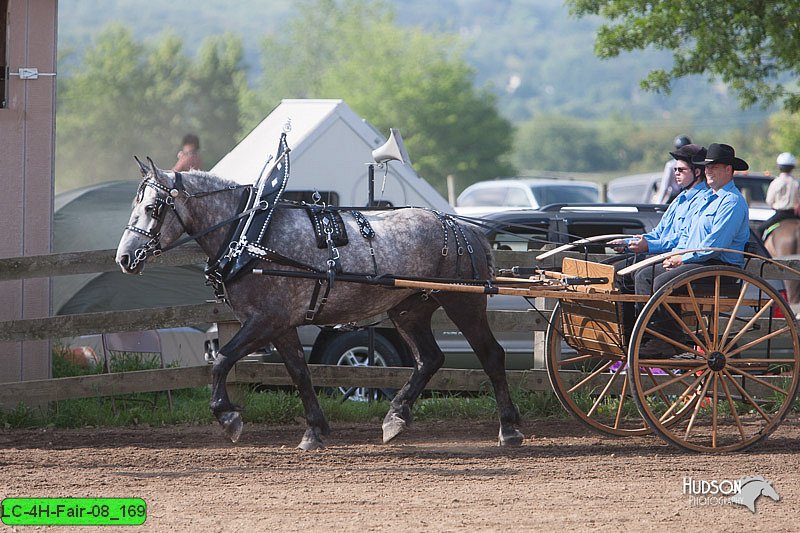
785 240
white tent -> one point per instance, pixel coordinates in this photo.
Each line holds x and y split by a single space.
330 149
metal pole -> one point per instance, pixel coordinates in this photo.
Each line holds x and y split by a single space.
371 329
371 183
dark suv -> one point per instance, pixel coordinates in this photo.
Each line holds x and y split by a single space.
524 230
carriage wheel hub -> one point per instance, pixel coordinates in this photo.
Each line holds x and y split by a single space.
716 361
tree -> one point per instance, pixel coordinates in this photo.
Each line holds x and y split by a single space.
563 143
393 77
123 98
752 46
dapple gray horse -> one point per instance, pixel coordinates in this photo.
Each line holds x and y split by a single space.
408 242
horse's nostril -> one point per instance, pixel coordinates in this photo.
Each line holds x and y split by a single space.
124 260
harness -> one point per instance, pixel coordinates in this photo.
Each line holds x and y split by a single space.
246 240
243 244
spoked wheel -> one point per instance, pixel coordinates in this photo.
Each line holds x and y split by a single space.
591 385
726 346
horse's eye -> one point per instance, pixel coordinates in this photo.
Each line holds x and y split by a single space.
150 209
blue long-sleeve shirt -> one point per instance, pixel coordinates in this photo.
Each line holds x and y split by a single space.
716 220
666 234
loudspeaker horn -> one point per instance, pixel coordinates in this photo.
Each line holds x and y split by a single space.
392 150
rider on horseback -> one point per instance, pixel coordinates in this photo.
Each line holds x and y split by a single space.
783 194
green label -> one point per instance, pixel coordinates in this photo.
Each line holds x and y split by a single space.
73 511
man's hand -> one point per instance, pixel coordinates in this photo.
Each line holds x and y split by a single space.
672 262
637 244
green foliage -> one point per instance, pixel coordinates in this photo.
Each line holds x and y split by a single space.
393 77
563 143
126 98
750 46
439 406
784 134
190 406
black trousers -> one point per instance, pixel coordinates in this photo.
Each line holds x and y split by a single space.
650 279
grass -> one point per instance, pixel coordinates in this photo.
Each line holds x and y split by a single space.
282 406
190 406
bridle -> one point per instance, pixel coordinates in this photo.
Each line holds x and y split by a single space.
153 248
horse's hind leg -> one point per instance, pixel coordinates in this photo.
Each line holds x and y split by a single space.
468 313
412 319
291 351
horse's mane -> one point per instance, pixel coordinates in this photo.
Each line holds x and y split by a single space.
205 181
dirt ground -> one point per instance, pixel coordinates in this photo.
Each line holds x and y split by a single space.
438 477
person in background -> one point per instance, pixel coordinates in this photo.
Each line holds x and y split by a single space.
668 188
189 156
783 194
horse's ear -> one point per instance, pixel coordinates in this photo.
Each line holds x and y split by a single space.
154 169
142 167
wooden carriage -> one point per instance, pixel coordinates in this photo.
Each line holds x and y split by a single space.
729 374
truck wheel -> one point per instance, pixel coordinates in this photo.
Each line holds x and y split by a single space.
352 349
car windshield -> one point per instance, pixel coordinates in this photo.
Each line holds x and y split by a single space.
564 194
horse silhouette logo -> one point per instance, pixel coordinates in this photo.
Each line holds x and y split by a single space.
752 488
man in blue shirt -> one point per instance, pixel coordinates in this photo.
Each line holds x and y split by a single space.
718 218
664 237
691 179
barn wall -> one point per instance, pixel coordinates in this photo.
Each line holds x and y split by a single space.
27 128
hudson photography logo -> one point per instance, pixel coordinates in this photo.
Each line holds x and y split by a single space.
715 492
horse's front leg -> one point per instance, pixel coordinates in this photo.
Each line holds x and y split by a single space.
251 336
288 345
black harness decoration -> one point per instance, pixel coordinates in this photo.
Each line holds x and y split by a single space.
368 233
245 242
328 226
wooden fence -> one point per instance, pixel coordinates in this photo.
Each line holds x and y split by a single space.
245 372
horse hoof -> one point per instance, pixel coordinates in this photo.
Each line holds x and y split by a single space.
310 445
310 441
231 423
510 438
392 427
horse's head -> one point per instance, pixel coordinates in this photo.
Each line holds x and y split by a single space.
154 222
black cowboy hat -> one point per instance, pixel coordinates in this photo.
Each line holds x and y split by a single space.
722 153
688 152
